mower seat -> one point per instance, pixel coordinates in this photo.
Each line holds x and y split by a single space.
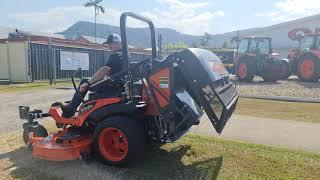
106 90
102 95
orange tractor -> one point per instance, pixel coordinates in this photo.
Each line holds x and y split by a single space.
256 58
305 60
158 100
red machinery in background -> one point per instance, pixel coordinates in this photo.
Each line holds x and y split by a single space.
256 57
305 60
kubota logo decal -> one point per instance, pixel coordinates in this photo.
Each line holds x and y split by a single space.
86 108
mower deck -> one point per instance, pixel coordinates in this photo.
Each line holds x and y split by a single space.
56 148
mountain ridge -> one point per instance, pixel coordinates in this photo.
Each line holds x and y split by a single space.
138 36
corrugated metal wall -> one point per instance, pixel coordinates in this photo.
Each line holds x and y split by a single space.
4 64
45 60
13 61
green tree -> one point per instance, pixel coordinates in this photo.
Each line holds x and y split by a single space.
181 45
97 10
168 46
225 45
174 46
204 40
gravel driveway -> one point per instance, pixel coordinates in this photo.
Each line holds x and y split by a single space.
37 99
291 87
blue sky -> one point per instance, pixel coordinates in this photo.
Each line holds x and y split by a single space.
188 16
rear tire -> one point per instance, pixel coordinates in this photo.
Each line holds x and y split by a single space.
38 131
119 140
286 69
245 71
307 68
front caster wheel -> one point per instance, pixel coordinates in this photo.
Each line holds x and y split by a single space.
35 131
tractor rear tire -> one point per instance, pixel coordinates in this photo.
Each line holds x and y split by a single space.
119 140
245 71
307 68
38 131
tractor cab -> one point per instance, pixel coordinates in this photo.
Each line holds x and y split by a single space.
255 45
310 42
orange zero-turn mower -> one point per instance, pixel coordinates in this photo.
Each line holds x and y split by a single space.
159 100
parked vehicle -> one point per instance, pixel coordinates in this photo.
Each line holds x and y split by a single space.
256 58
305 60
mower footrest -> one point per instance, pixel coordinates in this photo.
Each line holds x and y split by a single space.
70 135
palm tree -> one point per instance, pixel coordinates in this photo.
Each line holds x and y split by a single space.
97 10
204 40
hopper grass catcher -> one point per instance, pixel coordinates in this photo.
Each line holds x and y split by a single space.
160 101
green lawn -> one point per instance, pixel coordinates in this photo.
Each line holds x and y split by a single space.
193 157
308 112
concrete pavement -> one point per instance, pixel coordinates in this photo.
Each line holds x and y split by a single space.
284 133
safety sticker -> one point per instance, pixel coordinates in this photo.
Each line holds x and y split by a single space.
164 82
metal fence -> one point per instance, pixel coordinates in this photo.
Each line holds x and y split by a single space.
44 60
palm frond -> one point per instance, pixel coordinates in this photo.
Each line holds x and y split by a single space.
88 4
98 1
101 9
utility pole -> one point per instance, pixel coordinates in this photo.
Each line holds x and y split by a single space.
238 39
160 46
50 62
95 24
237 58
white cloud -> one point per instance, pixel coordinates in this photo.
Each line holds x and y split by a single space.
286 10
60 18
186 17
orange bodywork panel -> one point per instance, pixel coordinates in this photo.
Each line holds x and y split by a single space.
161 82
85 110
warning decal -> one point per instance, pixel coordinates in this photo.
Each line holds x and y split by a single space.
164 82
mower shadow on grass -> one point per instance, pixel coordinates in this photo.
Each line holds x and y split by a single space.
177 162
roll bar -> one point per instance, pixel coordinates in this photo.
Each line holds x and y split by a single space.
123 31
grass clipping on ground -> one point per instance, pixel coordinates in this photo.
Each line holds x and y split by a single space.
308 112
193 157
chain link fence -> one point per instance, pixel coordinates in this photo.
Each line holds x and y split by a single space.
45 62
